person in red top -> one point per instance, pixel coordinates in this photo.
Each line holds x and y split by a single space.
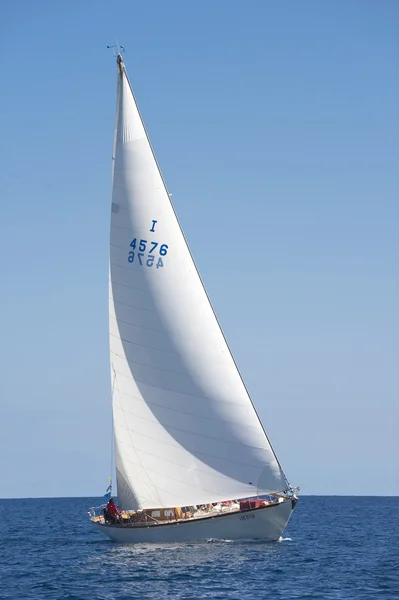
111 511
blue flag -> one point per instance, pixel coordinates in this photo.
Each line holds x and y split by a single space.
108 491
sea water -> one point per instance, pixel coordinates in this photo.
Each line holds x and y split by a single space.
333 548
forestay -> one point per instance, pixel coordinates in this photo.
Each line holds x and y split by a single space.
185 429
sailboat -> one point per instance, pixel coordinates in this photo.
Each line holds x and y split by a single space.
192 458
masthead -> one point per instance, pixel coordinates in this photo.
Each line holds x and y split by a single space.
120 63
118 51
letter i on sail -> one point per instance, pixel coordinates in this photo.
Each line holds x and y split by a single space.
193 460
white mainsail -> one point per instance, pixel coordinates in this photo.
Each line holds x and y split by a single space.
186 431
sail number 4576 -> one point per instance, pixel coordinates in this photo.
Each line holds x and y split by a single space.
149 260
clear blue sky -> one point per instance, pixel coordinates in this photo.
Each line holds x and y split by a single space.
276 126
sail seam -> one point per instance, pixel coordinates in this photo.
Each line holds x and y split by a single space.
205 472
209 437
170 493
128 359
134 447
134 325
180 480
198 453
149 310
120 266
118 337
117 245
126 427
113 226
196 486
129 287
176 391
183 412
205 489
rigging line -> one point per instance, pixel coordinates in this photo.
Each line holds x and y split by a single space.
112 427
196 268
114 379
115 131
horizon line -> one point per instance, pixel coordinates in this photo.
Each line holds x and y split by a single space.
116 495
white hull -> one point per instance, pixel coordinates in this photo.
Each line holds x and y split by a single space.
265 523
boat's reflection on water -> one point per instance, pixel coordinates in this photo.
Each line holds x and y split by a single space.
174 557
190 571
